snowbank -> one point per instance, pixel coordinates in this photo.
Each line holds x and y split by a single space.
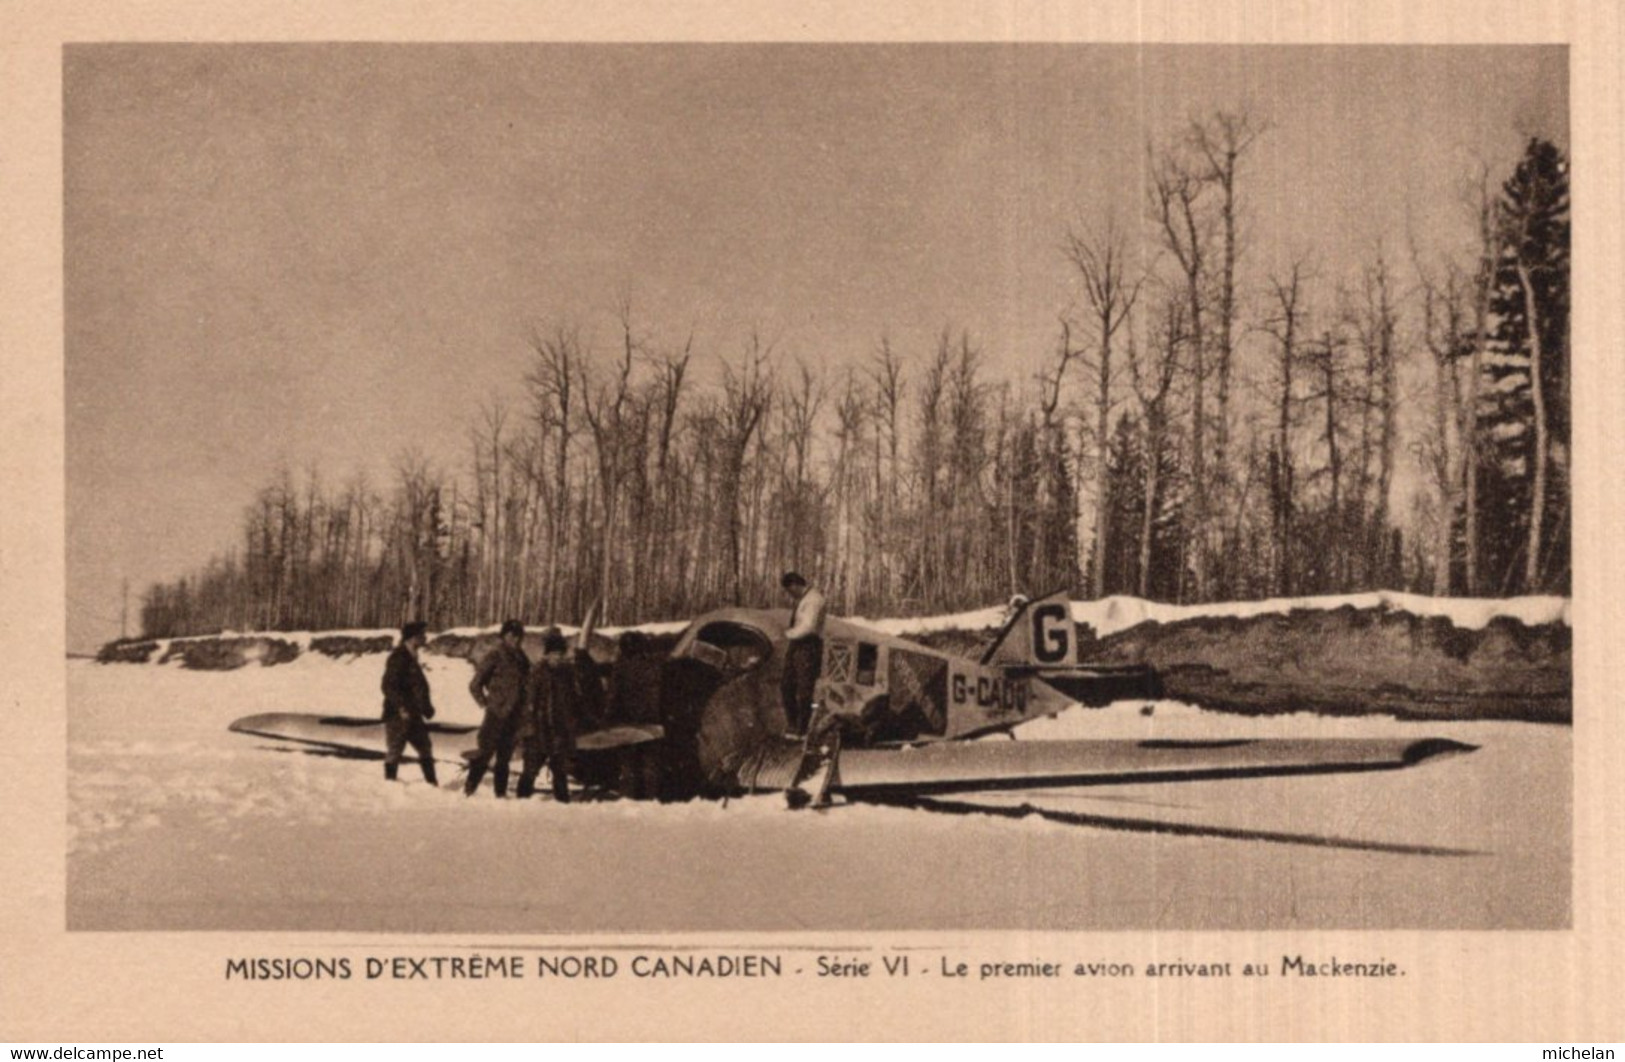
1453 660
232 649
1395 654
1109 615
1113 614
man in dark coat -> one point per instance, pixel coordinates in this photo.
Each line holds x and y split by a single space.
634 681
499 688
560 692
634 699
407 708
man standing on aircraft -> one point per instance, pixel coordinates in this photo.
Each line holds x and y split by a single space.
560 691
499 688
804 651
407 708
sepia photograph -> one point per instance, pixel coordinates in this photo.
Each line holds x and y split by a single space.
661 488
747 522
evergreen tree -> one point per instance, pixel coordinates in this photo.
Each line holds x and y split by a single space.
1126 513
1524 417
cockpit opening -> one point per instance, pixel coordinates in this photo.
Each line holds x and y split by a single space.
731 647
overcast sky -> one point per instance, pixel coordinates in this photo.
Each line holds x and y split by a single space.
279 255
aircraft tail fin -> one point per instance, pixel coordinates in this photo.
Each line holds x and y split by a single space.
1039 633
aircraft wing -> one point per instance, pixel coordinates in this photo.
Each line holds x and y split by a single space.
364 738
959 767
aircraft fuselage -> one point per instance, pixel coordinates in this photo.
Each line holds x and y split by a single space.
722 706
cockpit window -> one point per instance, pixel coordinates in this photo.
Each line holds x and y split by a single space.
868 661
733 647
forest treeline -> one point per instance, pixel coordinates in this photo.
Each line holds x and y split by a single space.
1197 433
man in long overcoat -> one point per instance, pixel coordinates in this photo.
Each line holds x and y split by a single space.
499 688
634 699
407 708
560 692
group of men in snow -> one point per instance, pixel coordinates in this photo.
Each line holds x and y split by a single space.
535 708
539 707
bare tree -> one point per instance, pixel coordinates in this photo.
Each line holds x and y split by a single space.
665 402
552 381
747 397
799 406
887 389
1285 324
852 557
1373 321
1111 291
968 549
1221 142
1175 194
1049 383
1443 333
607 408
929 464
486 437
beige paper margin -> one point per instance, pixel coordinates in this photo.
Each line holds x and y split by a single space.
1559 987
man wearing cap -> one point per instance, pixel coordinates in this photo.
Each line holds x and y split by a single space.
499 688
804 652
407 708
559 692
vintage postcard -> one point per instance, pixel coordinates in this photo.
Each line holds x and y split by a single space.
538 525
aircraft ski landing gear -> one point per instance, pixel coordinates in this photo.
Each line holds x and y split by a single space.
819 770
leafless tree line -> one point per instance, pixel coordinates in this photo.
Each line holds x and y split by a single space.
1189 437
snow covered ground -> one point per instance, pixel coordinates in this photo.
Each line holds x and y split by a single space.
177 824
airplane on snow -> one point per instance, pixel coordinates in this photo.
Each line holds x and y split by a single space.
897 722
